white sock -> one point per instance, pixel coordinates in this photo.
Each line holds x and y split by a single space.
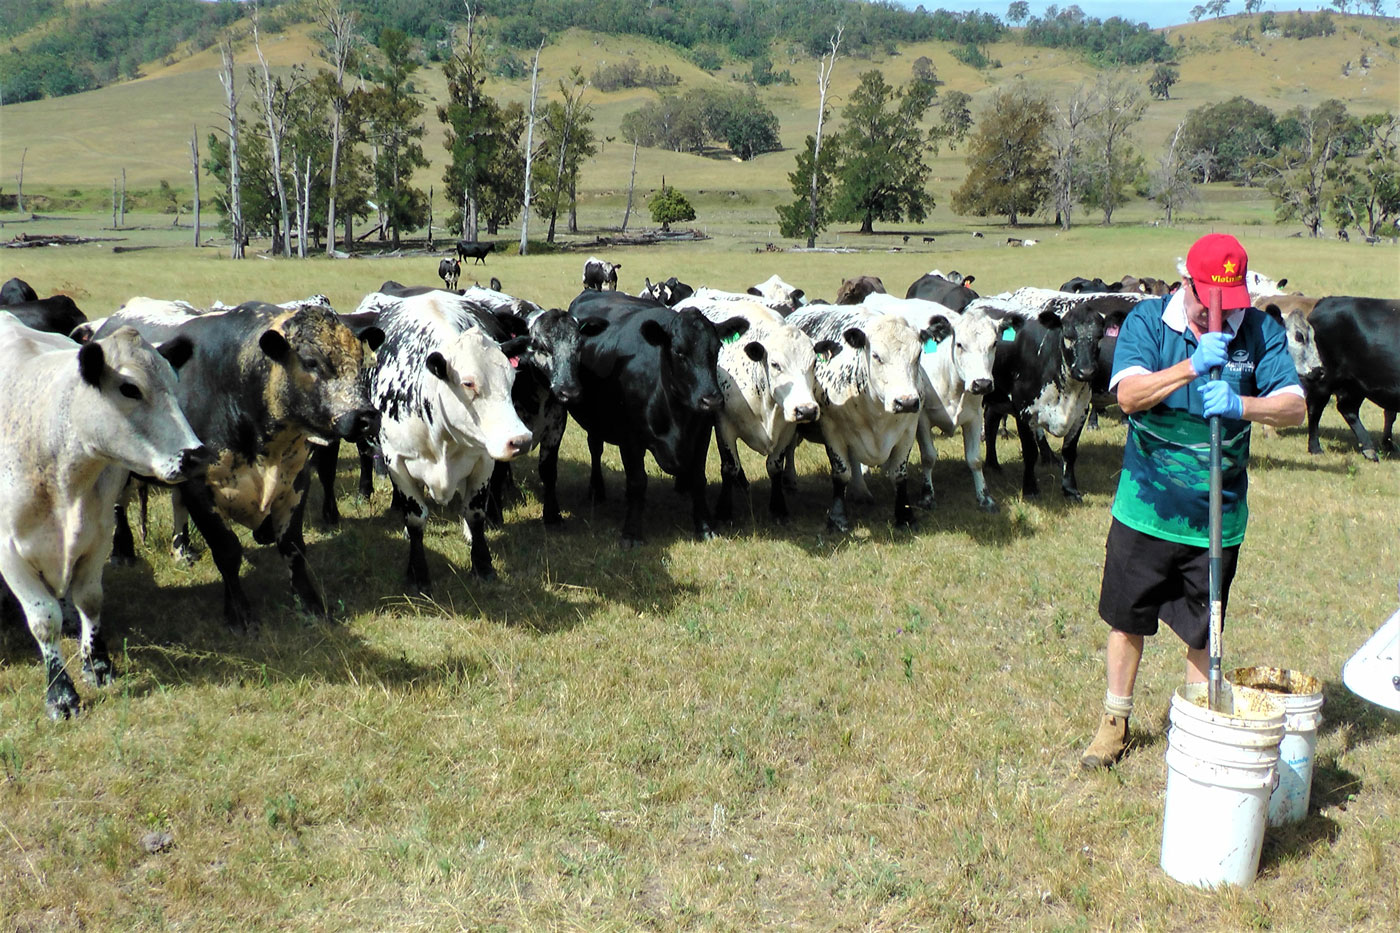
1116 706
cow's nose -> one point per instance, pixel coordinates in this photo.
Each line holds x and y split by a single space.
357 425
711 402
518 445
1314 374
906 403
195 460
804 414
567 393
981 386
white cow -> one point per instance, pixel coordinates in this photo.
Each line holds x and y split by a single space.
443 388
957 368
768 380
75 421
869 398
778 294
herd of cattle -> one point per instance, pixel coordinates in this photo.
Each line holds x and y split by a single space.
446 387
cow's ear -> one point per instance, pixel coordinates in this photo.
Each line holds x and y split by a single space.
592 326
855 337
755 292
938 329
826 349
1282 283
514 348
1115 319
373 336
968 280
1049 320
437 365
91 362
754 351
797 294
514 324
654 334
732 329
275 345
1172 288
177 351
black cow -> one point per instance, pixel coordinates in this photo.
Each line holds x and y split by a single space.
1358 340
264 381
649 384
16 291
1082 286
1114 309
953 291
1043 377
599 274
449 270
57 314
467 249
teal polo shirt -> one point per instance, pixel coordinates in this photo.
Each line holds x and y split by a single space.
1164 488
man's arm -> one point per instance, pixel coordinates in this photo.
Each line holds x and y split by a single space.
1282 410
1142 391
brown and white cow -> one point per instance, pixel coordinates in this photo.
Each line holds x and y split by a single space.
106 409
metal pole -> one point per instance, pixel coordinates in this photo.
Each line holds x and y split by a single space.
1217 550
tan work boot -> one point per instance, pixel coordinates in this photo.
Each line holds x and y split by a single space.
1109 743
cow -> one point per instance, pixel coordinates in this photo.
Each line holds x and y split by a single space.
671 292
1114 309
263 386
442 386
1291 313
469 249
450 270
1043 377
957 367
768 383
57 314
869 398
1358 343
649 384
704 298
854 291
953 291
107 409
16 291
599 274
1079 285
929 239
779 295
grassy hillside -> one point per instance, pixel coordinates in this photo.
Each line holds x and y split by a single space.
143 126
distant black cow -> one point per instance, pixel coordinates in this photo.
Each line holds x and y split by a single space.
449 270
1358 341
467 249
599 274
649 384
56 314
951 291
16 291
1080 285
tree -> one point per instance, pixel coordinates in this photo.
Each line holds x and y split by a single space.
1160 84
234 204
1299 173
566 142
747 127
1226 139
808 216
1113 161
1018 11
1171 185
669 206
393 117
1197 12
338 47
815 164
1009 165
277 100
1216 8
1366 188
883 174
1066 136
1252 6
955 115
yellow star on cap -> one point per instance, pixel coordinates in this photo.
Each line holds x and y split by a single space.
1229 267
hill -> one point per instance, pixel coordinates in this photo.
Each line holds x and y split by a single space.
80 143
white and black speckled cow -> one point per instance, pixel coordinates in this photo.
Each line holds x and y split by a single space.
869 398
443 385
106 409
957 367
599 274
768 380
779 295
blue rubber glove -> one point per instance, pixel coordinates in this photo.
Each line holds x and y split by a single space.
1213 351
1217 398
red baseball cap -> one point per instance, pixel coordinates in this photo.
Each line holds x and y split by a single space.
1217 260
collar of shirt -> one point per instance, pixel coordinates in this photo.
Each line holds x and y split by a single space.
1174 314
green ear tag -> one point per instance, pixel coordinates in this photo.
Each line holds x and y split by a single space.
732 338
1009 334
930 345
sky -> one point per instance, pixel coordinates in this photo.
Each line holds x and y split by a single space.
1155 13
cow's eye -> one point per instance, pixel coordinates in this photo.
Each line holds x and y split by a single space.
876 358
469 385
310 365
777 367
130 390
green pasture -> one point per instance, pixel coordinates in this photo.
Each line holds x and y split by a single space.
784 729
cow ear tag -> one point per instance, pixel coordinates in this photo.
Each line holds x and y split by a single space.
1009 334
732 338
930 345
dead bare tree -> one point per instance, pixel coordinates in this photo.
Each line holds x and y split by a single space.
194 170
530 150
275 99
824 69
631 186
235 203
19 191
1066 142
339 24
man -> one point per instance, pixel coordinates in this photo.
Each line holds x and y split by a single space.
1157 556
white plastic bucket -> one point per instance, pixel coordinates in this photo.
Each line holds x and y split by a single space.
1220 771
1301 696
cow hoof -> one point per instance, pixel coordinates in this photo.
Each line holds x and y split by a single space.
988 505
925 502
555 521
790 483
706 534
627 543
62 701
98 672
1370 454
839 526
1075 497
330 519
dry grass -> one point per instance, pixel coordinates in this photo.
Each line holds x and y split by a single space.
780 730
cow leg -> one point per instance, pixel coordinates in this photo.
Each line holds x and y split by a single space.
989 433
1349 406
86 596
790 466
474 494
897 469
1388 435
777 495
551 436
45 618
596 491
1069 453
227 552
928 456
731 476
495 493
1030 488
415 517
836 519
857 490
1046 451
292 547
972 455
326 460
365 454
123 544
1317 404
181 547
634 468
695 485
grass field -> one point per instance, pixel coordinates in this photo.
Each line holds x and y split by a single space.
784 729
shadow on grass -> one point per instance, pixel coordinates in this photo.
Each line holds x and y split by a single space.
1360 721
1297 841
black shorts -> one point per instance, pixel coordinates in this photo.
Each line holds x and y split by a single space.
1146 579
